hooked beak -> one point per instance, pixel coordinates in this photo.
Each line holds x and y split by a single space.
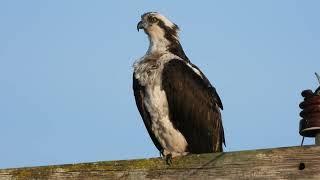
140 25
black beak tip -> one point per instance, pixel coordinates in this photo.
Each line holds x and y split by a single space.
139 25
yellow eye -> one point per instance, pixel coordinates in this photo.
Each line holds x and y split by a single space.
153 19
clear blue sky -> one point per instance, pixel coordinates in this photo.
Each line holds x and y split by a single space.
66 71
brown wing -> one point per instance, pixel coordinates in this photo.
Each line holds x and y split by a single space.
139 96
193 107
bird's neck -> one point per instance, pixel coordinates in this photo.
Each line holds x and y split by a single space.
159 45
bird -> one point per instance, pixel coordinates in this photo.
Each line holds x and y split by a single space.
180 108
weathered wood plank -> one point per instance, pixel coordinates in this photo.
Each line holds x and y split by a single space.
278 163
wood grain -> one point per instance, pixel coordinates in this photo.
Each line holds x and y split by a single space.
278 163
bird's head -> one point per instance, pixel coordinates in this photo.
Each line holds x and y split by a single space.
162 33
158 27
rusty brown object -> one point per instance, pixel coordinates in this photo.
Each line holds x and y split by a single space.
310 124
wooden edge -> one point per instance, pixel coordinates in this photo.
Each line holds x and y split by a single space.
283 162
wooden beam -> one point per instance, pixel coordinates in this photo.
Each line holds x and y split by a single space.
278 163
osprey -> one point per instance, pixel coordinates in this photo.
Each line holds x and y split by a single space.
178 105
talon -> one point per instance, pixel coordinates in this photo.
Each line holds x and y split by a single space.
169 159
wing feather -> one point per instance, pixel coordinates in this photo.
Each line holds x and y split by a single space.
193 107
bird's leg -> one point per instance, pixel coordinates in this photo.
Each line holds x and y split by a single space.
169 159
168 155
